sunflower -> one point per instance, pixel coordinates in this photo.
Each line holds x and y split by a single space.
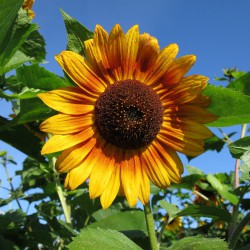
130 111
174 225
27 5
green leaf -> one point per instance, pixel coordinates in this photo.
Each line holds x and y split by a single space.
95 239
123 221
206 211
187 182
222 189
239 147
31 110
199 242
8 13
77 34
17 60
241 84
34 46
15 38
171 209
194 170
38 77
245 167
26 93
227 105
17 136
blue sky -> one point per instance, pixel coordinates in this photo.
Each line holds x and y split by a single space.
217 32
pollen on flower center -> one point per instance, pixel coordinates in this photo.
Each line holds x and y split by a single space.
128 114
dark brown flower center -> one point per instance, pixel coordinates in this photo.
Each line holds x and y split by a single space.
128 114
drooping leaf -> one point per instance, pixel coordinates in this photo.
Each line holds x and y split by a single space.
97 238
77 34
15 38
34 46
227 105
222 189
239 147
26 93
206 211
199 242
194 170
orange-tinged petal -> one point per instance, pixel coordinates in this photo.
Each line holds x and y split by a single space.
80 174
170 161
117 48
71 157
132 39
178 69
80 72
131 177
164 60
144 193
66 124
147 54
68 101
154 169
112 189
61 142
186 91
184 128
102 172
192 112
188 146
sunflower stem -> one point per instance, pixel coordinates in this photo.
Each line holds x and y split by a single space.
150 226
61 194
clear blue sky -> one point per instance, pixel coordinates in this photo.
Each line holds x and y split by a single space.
216 31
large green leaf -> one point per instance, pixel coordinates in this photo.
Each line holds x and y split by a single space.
16 137
241 84
230 106
8 13
206 211
171 209
123 221
77 34
38 77
95 239
199 243
15 38
31 110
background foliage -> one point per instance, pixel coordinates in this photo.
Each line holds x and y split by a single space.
202 212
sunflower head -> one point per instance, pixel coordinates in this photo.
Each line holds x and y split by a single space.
174 225
132 108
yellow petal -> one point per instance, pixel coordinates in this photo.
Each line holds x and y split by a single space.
132 39
80 72
71 158
164 60
147 55
61 142
144 193
66 124
112 188
68 101
131 177
80 174
154 169
102 172
178 69
117 48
